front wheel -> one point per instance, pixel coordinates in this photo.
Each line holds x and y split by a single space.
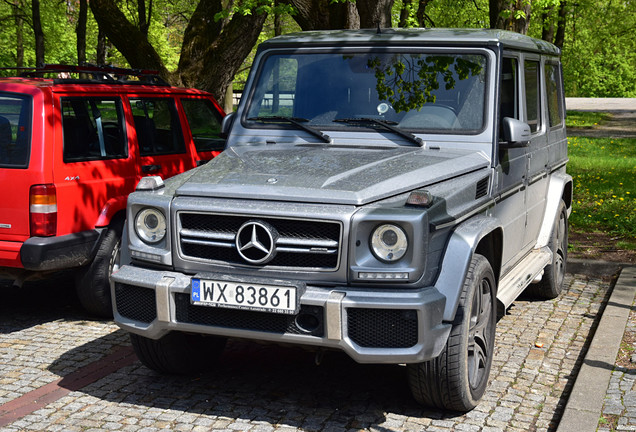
457 379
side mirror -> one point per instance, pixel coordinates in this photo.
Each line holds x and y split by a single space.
226 125
515 133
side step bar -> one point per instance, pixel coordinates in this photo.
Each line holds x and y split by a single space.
522 275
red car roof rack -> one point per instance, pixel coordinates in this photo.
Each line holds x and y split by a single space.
103 74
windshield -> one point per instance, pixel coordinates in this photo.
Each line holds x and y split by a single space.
421 92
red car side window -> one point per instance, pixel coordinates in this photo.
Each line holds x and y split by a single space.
157 125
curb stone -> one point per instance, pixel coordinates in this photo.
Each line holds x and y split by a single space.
584 406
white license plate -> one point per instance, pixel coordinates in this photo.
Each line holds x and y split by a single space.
237 295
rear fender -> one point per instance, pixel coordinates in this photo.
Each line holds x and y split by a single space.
462 244
560 188
110 209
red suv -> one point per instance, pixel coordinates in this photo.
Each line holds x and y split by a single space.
72 149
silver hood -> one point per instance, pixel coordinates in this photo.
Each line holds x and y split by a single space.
326 173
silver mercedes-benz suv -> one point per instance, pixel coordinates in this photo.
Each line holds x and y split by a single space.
382 192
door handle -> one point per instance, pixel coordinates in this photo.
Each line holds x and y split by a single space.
147 169
202 162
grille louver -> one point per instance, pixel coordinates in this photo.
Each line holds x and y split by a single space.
301 244
482 188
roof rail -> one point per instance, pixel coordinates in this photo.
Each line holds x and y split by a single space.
109 74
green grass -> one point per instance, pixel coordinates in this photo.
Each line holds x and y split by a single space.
585 119
604 173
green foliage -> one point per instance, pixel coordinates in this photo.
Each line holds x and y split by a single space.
447 13
408 82
604 173
599 55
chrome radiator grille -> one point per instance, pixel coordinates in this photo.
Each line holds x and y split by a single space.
298 244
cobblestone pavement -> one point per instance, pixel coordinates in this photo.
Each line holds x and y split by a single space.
44 337
619 408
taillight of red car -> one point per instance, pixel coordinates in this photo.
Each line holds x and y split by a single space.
43 210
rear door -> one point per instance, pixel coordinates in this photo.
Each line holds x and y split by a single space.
538 151
92 163
159 135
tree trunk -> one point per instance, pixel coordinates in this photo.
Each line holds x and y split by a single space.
127 38
19 35
559 38
212 53
375 13
422 17
503 15
101 48
405 13
324 15
547 33
38 33
144 23
80 30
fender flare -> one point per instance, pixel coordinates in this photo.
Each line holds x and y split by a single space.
560 187
110 209
459 251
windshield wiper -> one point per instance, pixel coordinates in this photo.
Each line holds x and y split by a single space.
389 125
298 122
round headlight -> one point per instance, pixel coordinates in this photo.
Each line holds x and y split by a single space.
389 242
150 225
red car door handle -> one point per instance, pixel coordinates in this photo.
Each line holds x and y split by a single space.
146 169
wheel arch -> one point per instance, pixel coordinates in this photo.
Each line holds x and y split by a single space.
560 189
114 208
482 235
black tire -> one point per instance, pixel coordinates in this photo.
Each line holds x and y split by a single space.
457 379
92 283
178 353
551 283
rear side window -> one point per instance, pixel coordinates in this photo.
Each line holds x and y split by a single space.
93 129
553 81
15 130
533 92
157 125
205 124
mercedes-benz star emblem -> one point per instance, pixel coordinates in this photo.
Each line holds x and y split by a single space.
256 242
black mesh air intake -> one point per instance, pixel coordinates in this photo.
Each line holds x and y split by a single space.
382 328
136 303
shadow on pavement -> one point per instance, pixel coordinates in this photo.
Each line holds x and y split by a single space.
273 384
38 302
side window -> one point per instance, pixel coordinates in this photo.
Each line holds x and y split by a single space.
555 97
509 89
533 94
157 125
15 130
205 123
93 129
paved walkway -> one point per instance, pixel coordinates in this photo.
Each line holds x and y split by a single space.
60 370
601 104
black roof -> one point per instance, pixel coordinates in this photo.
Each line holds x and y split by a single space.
416 36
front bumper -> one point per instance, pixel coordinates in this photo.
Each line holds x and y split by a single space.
371 325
